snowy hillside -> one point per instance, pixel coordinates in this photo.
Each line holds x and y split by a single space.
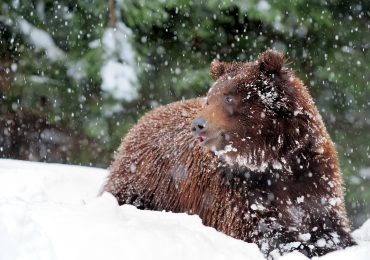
50 211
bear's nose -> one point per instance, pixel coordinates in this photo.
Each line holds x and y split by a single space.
198 126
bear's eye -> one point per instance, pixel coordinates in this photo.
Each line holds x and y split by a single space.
230 105
229 100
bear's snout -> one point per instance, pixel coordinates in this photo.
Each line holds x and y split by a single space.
199 126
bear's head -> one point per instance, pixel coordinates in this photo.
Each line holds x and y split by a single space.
255 114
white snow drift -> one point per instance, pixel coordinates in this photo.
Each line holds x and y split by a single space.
51 211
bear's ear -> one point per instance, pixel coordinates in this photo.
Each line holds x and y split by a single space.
271 61
219 68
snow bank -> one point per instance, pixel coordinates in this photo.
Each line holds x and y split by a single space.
50 211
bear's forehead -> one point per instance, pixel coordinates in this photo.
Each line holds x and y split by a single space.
249 85
231 83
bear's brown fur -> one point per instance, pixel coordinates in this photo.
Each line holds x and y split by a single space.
261 167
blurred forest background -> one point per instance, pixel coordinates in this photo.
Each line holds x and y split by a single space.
76 75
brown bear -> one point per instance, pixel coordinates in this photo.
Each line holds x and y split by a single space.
253 159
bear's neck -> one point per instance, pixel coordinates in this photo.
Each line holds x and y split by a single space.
243 177
304 165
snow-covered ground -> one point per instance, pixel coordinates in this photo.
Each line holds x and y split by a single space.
51 211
